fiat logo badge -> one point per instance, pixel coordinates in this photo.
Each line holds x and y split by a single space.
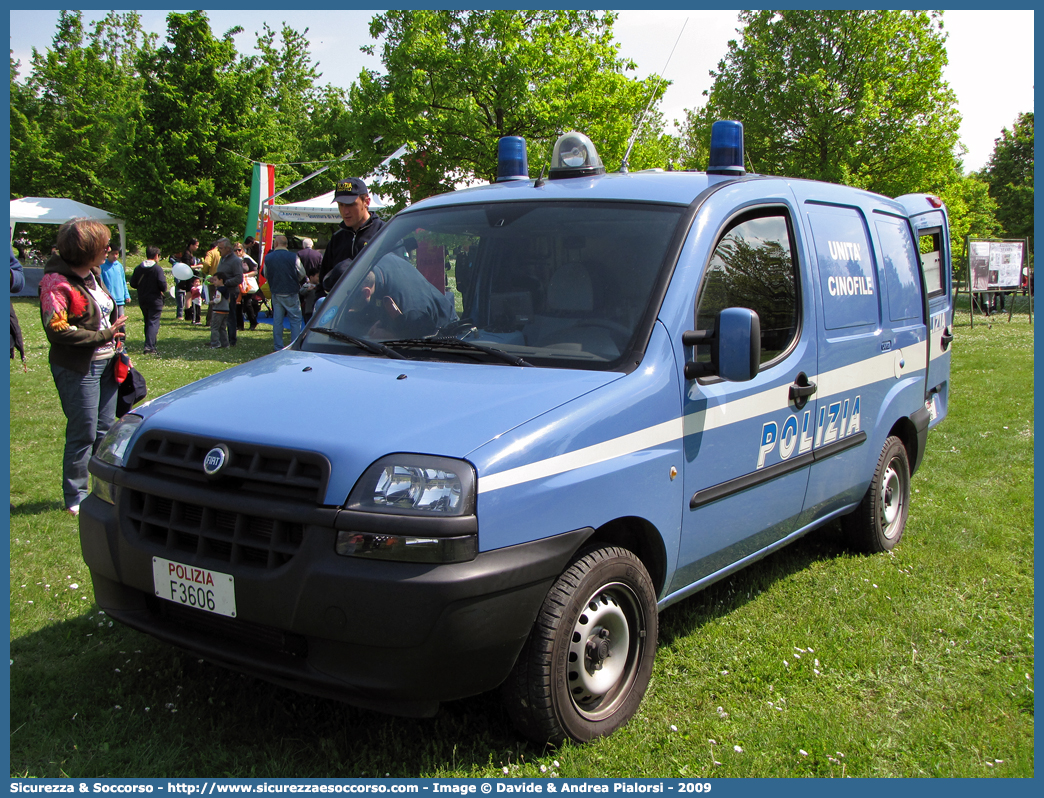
215 460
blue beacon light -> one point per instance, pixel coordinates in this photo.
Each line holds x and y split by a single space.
512 163
726 149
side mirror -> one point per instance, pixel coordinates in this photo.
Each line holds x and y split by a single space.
735 346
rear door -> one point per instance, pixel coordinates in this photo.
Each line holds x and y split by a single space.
931 225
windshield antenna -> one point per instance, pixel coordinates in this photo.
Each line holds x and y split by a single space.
659 79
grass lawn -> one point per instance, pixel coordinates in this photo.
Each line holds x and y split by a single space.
812 662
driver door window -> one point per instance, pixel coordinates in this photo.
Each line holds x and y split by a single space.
753 266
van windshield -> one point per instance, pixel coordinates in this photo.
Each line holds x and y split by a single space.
551 284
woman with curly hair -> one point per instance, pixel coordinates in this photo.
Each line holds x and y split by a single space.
83 328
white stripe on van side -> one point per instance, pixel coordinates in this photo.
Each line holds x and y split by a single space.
598 453
847 378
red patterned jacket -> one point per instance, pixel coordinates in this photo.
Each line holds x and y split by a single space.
71 319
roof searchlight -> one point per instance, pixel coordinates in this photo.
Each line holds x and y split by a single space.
574 156
726 149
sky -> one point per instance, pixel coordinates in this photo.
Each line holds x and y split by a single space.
990 52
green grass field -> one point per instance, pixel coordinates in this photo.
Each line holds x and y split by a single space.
812 662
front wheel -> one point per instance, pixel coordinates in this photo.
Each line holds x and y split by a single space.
878 522
586 665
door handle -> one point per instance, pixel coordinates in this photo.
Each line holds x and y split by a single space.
947 339
801 390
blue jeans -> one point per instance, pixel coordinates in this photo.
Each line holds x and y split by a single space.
89 404
285 305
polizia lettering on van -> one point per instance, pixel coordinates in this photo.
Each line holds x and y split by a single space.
832 423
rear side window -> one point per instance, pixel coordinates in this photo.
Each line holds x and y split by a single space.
847 275
930 245
753 266
900 269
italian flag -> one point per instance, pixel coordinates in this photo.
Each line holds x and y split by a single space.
258 222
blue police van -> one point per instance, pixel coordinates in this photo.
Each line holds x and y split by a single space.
650 380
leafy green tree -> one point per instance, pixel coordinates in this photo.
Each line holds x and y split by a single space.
973 213
1009 174
457 81
853 97
201 124
297 117
72 119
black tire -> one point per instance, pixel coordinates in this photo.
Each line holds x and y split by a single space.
586 665
878 522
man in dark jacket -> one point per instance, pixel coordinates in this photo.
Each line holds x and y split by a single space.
151 283
358 227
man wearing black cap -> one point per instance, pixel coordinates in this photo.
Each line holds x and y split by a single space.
358 227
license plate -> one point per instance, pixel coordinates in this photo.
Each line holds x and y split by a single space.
210 591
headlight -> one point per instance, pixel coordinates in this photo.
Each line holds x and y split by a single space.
113 450
411 484
419 486
113 447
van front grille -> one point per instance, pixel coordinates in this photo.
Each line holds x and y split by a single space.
182 528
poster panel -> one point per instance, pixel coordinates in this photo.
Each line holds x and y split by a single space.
1005 264
979 263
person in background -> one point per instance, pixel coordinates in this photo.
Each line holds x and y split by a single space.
309 257
309 292
151 283
212 259
17 283
82 326
219 324
209 268
195 300
252 248
181 287
248 301
230 270
308 254
114 276
285 274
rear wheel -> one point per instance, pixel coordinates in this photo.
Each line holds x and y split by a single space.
878 522
586 665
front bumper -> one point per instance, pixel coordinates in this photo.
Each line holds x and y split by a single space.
396 637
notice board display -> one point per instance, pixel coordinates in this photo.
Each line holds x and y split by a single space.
995 265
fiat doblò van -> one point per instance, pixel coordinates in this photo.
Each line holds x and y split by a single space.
649 381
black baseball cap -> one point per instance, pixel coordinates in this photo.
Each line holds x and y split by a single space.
348 189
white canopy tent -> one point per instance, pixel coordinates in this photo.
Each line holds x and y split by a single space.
323 209
56 210
320 209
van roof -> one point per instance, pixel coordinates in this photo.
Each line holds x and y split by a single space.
674 188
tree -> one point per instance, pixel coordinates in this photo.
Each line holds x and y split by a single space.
457 81
972 212
853 97
1009 174
200 127
72 119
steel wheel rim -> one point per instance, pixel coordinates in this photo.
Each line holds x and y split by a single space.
892 501
611 623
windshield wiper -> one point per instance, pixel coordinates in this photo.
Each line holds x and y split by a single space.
373 347
456 343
